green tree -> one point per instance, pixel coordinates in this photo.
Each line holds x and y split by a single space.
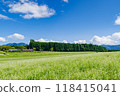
51 49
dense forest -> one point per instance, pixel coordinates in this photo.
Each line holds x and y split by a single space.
64 47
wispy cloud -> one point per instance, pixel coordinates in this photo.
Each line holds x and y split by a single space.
4 17
66 1
4 10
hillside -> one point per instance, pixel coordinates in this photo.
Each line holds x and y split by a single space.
111 47
17 44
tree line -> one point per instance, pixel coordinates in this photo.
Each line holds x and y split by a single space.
7 47
64 47
55 46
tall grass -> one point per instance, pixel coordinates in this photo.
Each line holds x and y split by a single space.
60 66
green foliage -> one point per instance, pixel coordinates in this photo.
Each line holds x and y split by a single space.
34 49
19 47
65 47
51 49
7 47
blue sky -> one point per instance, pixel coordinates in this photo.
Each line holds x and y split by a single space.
73 21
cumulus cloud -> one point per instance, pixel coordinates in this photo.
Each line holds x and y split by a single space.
16 36
65 1
2 39
46 40
116 35
117 21
42 40
104 40
29 9
80 42
4 17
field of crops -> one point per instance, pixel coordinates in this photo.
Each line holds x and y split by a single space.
60 66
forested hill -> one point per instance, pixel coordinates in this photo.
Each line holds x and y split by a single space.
65 47
17 44
111 47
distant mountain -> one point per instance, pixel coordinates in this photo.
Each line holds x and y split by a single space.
112 47
18 44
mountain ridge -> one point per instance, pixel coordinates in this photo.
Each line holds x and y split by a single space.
18 44
111 47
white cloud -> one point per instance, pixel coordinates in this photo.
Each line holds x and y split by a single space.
4 17
64 41
117 21
53 41
23 1
66 1
116 35
80 42
104 40
30 9
46 40
16 36
4 10
42 40
2 39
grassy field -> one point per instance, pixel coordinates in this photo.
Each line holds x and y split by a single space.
60 66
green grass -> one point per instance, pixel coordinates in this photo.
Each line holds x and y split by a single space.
60 66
